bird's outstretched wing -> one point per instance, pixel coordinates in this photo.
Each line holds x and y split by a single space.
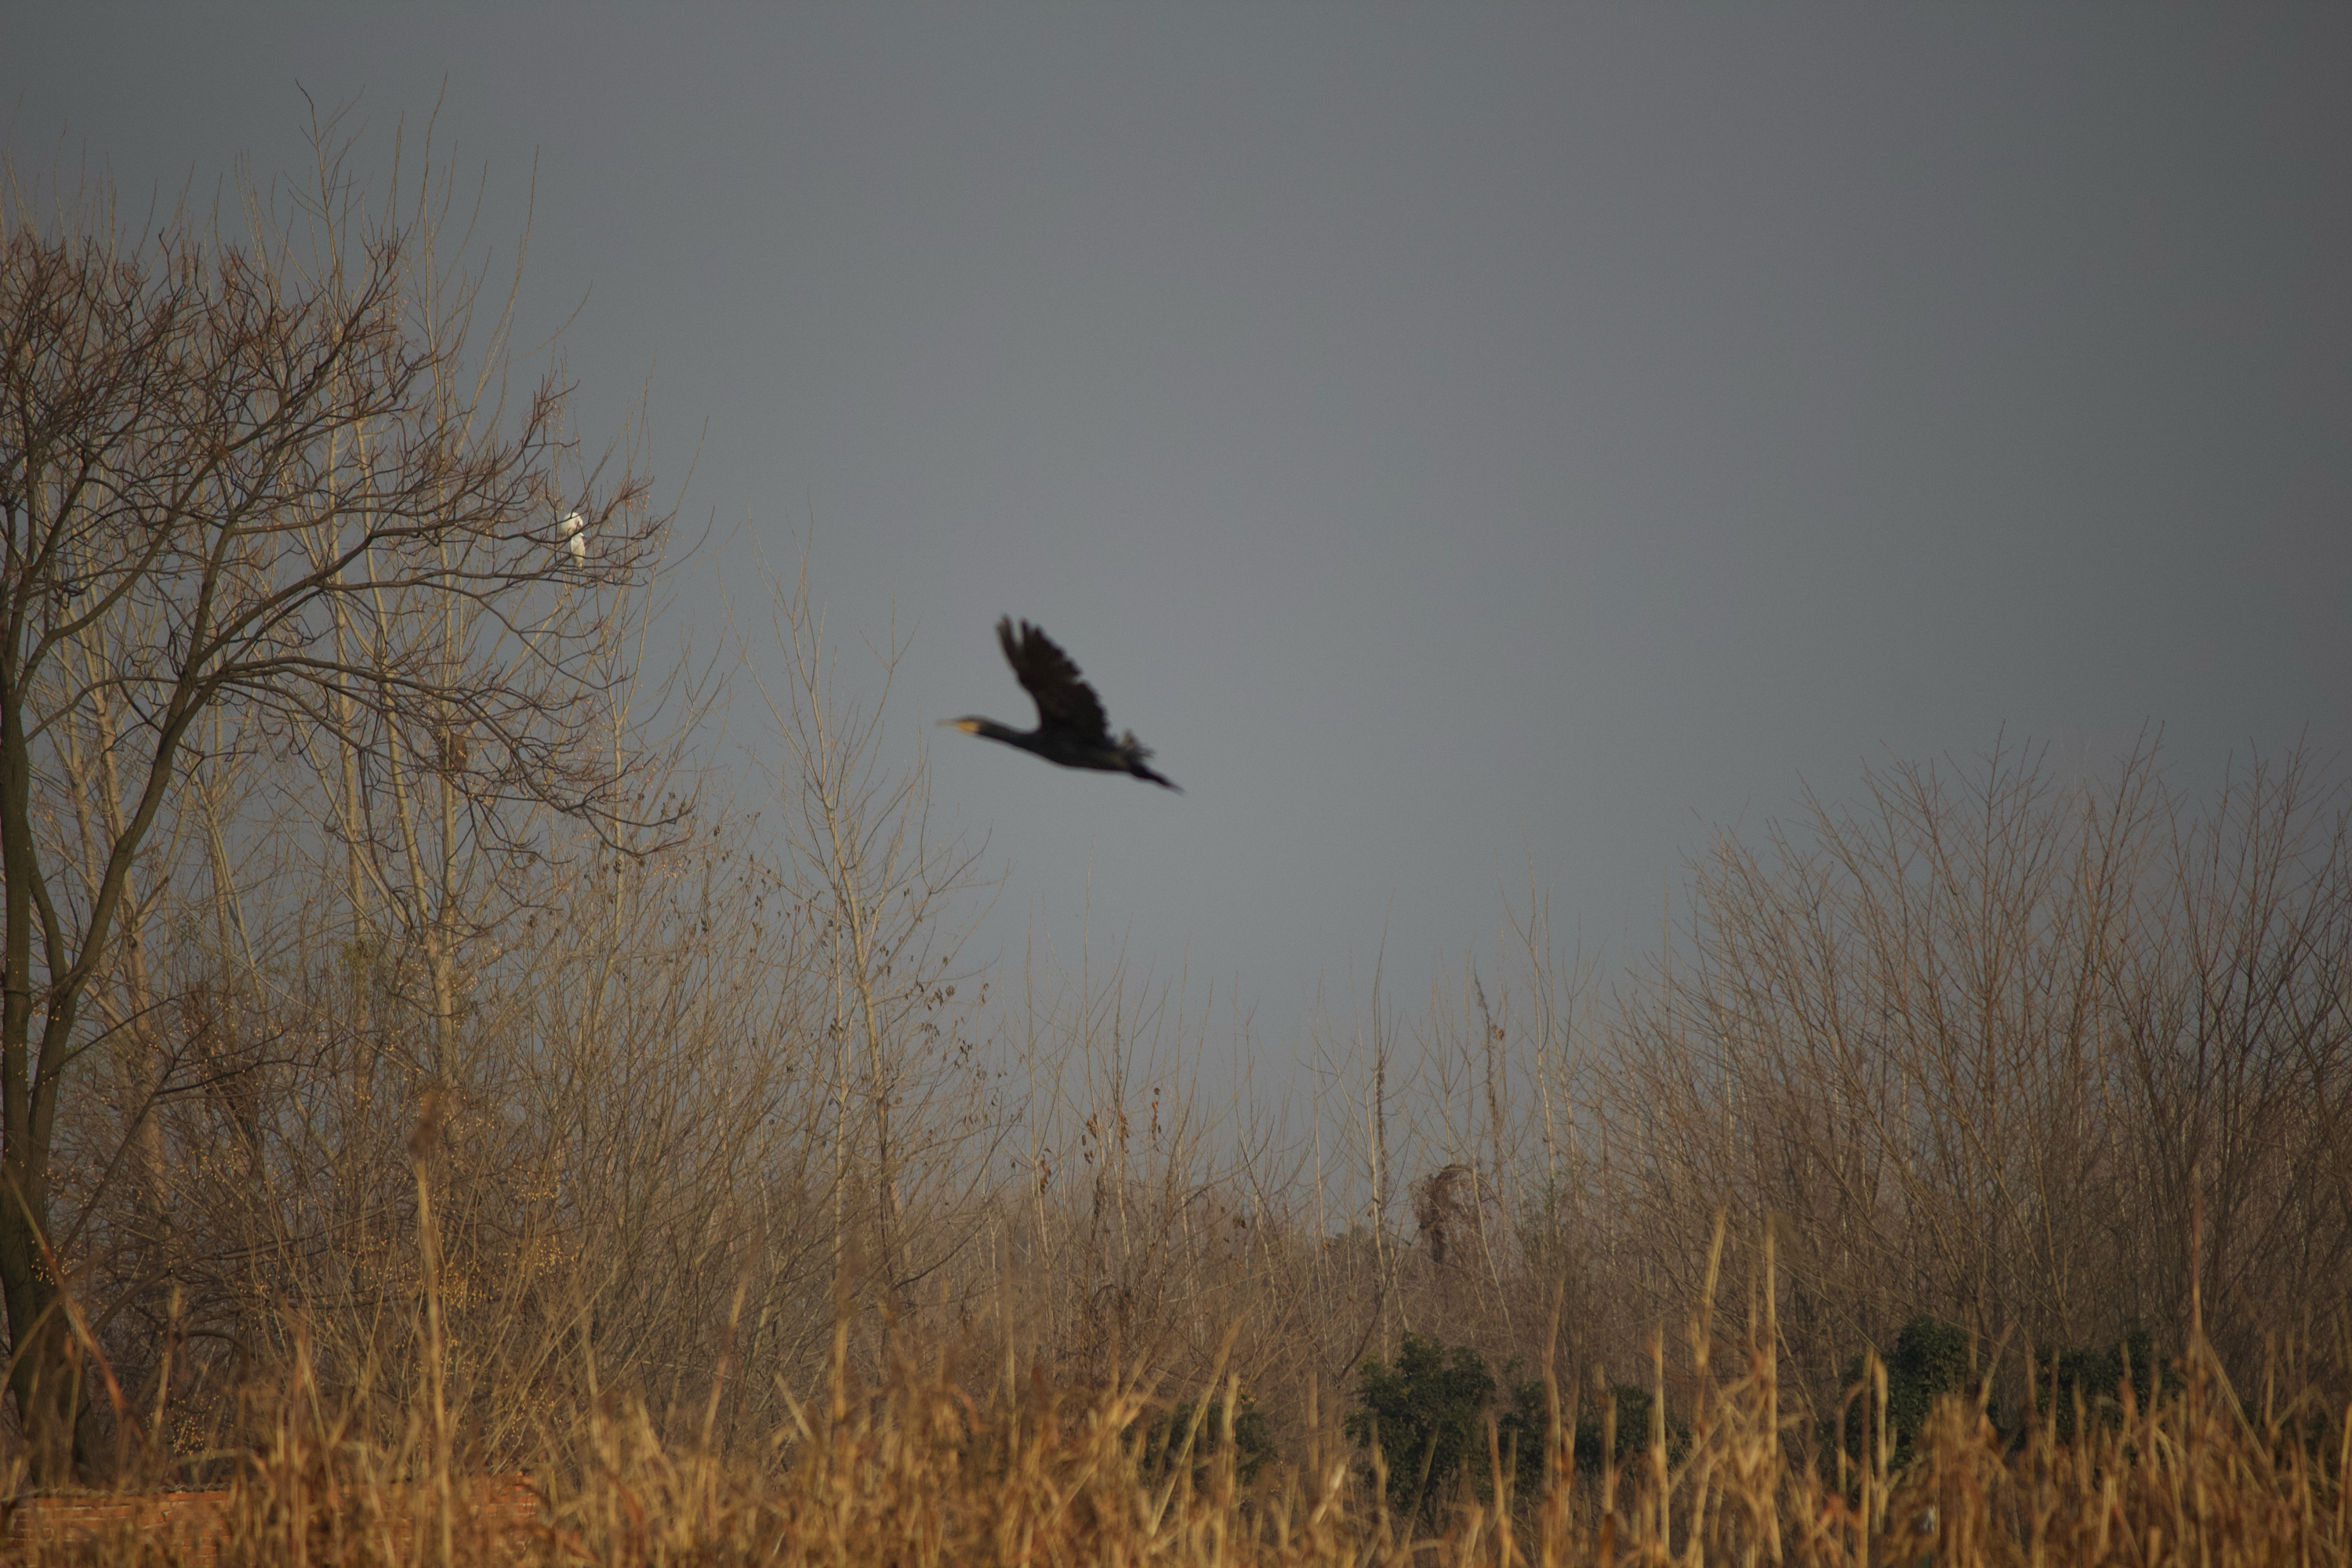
1064 701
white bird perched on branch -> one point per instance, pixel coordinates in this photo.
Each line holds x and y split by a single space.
573 530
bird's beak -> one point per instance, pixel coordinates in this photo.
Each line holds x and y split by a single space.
966 725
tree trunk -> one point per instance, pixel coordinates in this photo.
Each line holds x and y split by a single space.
41 1371
44 1372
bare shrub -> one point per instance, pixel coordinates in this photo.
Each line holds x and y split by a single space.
1984 1045
251 490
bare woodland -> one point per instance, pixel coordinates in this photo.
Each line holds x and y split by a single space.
401 981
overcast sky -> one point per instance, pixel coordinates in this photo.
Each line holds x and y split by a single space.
1465 440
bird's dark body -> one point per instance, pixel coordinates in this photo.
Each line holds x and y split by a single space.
1071 730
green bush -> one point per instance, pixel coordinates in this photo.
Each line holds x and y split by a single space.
1428 1417
2095 1379
1430 1409
1634 1403
1930 1359
1521 1431
1163 1439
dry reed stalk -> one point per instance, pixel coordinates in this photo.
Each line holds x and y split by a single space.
918 1468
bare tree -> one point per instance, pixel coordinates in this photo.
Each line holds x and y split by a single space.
249 476
874 885
1987 1045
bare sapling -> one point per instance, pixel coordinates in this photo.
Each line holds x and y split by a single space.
238 477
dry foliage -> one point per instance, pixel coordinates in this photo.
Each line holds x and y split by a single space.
478 1069
933 1464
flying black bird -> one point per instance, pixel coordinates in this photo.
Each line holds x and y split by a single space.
1070 728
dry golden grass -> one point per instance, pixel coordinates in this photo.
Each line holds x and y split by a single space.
931 1468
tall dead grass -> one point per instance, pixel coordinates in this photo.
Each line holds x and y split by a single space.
935 1460
724 1129
660 1151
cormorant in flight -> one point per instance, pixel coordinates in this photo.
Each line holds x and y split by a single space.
1070 730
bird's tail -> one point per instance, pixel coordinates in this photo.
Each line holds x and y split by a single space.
1138 760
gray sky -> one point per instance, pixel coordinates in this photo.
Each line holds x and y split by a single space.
1463 440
